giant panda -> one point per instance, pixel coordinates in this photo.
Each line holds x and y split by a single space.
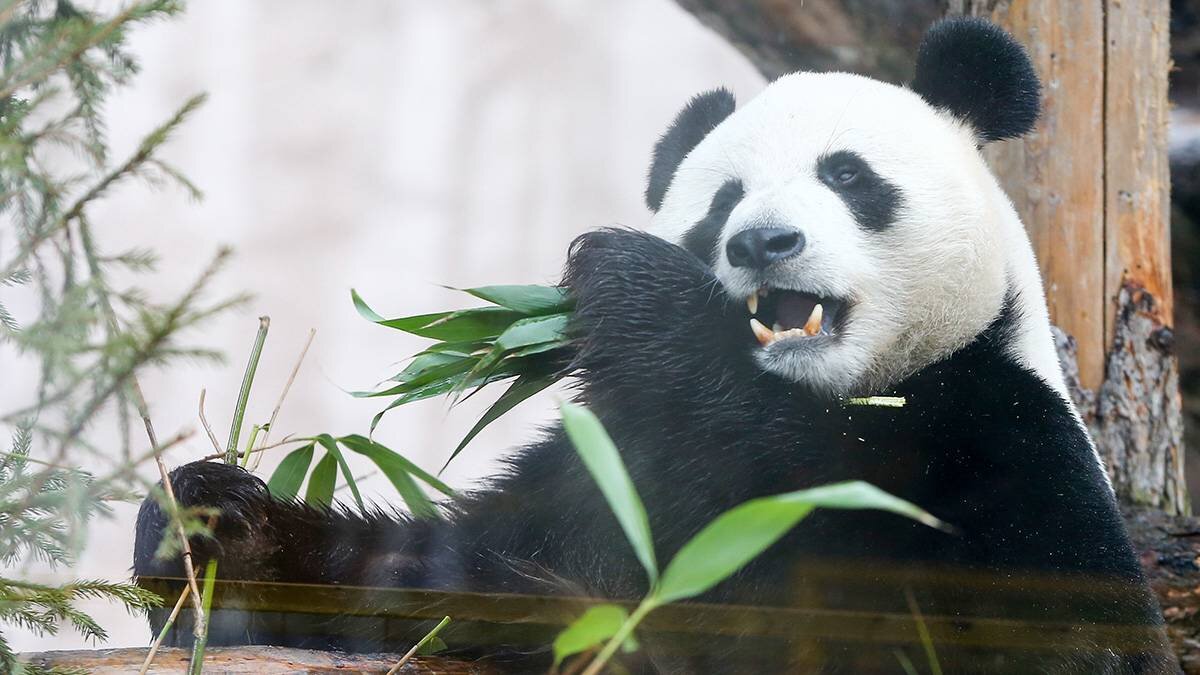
835 237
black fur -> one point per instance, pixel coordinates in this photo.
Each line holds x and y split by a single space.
981 74
700 116
872 199
665 360
701 240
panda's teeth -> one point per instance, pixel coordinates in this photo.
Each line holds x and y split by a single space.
752 304
765 335
813 325
777 328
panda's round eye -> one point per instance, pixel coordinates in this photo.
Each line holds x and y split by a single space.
845 174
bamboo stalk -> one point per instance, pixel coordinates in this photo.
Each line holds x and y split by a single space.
210 576
162 634
239 411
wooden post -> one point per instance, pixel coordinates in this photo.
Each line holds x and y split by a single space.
1092 185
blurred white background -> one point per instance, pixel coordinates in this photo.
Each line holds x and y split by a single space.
389 146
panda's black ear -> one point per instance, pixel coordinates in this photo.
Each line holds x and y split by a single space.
981 74
701 115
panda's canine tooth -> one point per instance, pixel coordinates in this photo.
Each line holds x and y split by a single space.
765 335
752 303
813 325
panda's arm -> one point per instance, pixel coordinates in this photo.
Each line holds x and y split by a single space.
258 538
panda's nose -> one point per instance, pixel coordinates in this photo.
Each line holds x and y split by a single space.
759 247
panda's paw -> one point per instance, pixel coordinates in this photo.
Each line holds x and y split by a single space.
646 308
235 501
625 281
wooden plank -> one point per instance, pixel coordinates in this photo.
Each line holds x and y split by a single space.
1055 175
1137 199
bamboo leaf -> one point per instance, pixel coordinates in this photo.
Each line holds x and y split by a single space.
737 536
467 324
528 299
603 461
448 371
461 326
424 362
524 387
321 481
361 444
400 472
537 349
598 624
532 331
331 447
464 349
286 479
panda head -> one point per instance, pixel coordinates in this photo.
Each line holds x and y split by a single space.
869 200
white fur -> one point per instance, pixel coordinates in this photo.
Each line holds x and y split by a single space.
923 287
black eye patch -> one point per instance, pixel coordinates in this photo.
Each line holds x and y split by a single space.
870 197
701 240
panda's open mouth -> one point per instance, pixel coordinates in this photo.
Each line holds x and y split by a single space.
780 315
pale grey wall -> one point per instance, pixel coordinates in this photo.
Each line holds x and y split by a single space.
388 146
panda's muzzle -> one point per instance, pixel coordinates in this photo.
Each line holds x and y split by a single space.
792 315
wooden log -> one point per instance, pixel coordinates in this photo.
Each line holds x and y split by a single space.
254 660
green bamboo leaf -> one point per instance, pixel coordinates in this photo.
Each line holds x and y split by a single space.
467 324
448 371
355 442
603 461
424 362
392 463
434 646
331 447
525 386
460 326
468 348
286 479
737 536
523 333
532 331
598 624
531 350
440 387
320 483
530 299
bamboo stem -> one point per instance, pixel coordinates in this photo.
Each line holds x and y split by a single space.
239 411
162 634
210 576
